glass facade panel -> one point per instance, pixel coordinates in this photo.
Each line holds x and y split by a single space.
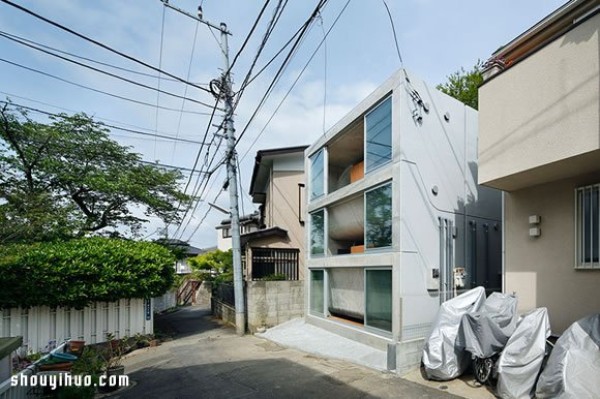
317 233
317 292
378 133
317 177
378 299
378 217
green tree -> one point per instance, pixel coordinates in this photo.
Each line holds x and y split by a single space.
464 85
68 178
78 272
215 265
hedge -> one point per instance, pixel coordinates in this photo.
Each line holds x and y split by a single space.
78 272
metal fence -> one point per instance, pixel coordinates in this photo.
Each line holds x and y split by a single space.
42 327
275 261
223 292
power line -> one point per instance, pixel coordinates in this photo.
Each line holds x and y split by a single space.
162 35
284 64
256 21
95 90
270 27
120 68
10 95
293 84
394 31
104 124
99 44
102 71
189 71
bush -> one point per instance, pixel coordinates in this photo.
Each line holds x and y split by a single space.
275 277
79 272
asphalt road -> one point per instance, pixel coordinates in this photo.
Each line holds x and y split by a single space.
208 360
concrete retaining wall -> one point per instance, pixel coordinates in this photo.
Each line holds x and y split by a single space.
223 311
204 293
166 301
270 303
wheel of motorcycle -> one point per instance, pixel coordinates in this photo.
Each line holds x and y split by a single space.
483 369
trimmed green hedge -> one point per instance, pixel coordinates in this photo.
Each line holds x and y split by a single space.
76 273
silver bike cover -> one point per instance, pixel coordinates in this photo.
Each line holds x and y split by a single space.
442 357
521 360
486 332
573 368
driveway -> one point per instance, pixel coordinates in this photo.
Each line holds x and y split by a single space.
208 360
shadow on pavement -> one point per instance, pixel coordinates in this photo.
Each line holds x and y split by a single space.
272 378
184 322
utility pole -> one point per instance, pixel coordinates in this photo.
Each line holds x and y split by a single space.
226 93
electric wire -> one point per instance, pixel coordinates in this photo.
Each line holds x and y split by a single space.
120 68
160 56
256 21
124 129
293 84
189 71
100 44
94 89
10 95
270 27
282 67
102 71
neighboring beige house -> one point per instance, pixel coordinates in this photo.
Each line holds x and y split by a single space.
248 223
277 185
539 141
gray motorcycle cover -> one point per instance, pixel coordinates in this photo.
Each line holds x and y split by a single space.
486 332
443 358
573 368
519 364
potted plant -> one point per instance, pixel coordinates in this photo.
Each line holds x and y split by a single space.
112 355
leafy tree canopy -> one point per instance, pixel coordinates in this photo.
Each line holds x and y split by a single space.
81 271
67 179
464 85
215 265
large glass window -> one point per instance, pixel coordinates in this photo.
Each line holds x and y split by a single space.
588 226
378 299
317 233
317 291
378 217
317 178
378 133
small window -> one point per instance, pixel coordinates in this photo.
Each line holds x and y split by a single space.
378 133
378 217
587 227
317 177
317 233
317 291
226 233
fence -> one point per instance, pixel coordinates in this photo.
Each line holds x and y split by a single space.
271 261
42 328
223 292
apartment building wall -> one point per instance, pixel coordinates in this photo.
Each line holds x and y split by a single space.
540 115
542 270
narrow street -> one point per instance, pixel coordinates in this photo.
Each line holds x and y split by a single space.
208 360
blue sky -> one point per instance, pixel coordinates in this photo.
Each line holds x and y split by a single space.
436 38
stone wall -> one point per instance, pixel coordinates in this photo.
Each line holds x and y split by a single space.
166 301
222 311
204 293
270 303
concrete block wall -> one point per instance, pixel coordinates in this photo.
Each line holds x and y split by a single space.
166 301
270 303
204 293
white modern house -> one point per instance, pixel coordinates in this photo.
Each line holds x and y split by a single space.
396 222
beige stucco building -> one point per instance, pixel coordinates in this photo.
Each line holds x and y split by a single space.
277 185
539 141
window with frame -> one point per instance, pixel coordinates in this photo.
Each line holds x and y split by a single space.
226 232
378 134
317 232
378 217
587 243
317 176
